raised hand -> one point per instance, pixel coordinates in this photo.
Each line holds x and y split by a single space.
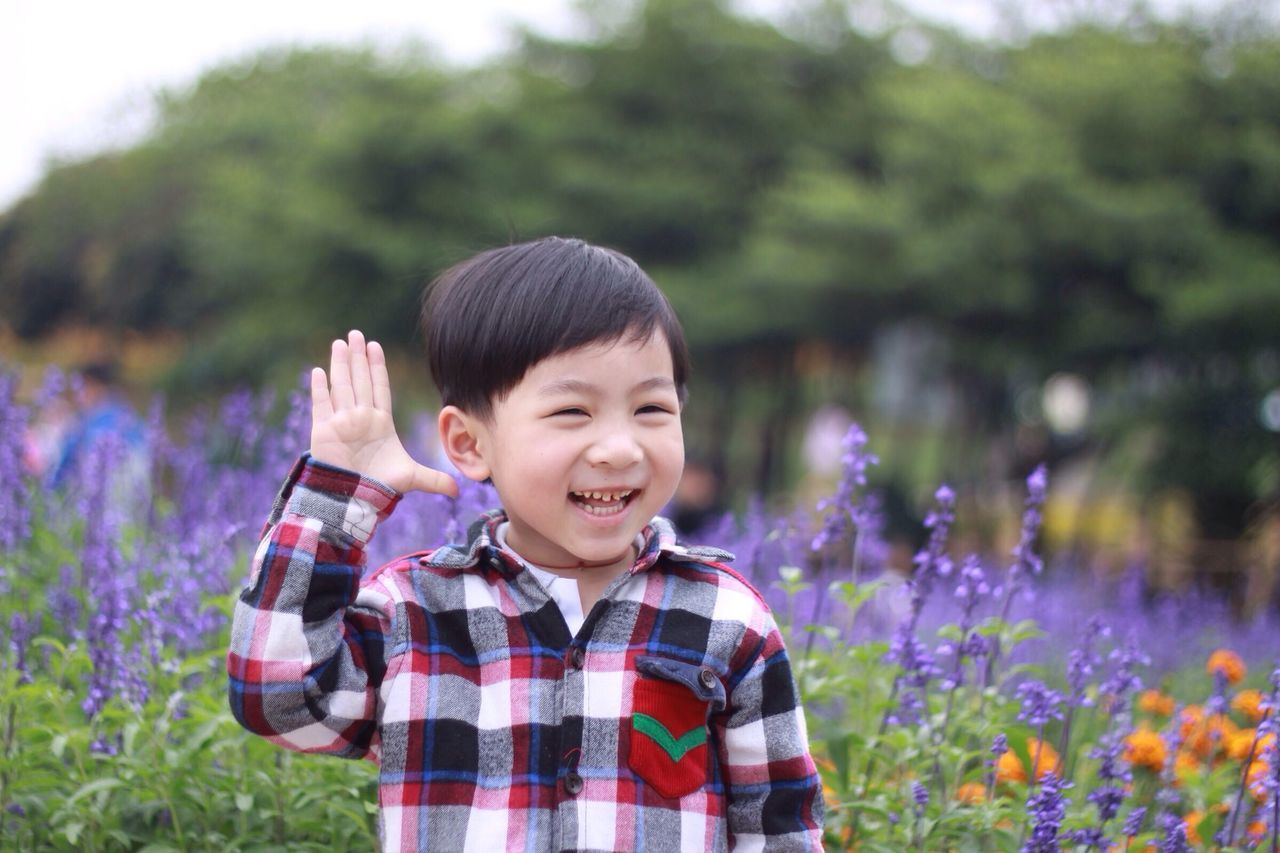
351 424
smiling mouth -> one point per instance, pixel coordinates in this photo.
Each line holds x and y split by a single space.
604 503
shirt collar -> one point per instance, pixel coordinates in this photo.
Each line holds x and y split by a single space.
481 545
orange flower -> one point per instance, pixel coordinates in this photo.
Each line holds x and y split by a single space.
1155 702
1192 821
1045 757
1210 735
972 792
1229 663
1009 768
1191 716
1249 703
1145 748
1256 830
1241 742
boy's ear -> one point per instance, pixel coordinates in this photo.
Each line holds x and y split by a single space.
463 438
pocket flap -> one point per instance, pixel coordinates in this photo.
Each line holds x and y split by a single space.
702 680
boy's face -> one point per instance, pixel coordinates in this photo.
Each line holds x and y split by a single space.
585 450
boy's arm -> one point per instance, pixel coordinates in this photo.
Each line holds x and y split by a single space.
307 640
306 656
771 784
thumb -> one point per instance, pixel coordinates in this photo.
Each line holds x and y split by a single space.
430 480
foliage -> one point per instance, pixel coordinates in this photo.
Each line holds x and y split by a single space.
115 734
1100 199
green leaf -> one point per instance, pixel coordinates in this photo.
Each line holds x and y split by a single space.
244 802
1026 630
94 787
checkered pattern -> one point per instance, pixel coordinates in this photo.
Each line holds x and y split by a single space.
494 728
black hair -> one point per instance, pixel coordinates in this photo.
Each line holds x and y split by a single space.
489 319
102 371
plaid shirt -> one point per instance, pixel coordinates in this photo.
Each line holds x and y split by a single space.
670 720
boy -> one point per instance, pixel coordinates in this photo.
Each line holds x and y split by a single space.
570 677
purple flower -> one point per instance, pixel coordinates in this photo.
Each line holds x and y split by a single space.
1124 679
1046 810
842 508
971 588
1025 559
20 632
1090 837
907 710
999 745
1113 775
1039 703
920 794
52 386
1133 822
1174 839
908 652
15 484
1082 661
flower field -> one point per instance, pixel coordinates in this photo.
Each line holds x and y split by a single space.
987 702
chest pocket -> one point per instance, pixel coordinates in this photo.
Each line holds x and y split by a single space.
669 709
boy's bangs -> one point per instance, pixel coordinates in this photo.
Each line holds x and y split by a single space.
490 319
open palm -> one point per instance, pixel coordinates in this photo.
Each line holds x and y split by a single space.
351 423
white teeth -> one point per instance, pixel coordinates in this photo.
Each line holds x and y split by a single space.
603 510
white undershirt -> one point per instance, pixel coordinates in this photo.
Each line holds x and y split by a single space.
563 591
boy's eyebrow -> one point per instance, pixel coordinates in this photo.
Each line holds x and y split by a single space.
578 386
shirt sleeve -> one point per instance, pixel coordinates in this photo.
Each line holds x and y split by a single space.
772 786
306 656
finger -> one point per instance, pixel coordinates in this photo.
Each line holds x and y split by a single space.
378 374
340 377
361 386
321 405
437 482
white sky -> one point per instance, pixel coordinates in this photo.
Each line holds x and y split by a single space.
77 76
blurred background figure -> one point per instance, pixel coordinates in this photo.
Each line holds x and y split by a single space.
101 414
699 498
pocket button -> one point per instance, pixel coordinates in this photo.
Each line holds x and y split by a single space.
573 784
707 677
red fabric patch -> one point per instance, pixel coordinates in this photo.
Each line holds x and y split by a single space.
682 714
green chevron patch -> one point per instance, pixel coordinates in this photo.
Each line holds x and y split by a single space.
673 747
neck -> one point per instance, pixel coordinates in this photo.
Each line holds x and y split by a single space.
585 565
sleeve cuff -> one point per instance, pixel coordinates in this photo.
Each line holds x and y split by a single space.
340 498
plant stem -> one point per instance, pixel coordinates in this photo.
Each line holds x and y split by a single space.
1033 777
278 818
1244 781
9 728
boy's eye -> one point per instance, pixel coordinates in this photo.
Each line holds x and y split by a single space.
572 410
654 408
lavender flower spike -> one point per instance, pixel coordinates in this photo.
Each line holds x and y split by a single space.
1025 559
1039 703
842 509
1047 810
1133 822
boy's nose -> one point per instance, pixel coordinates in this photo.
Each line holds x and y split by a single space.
616 448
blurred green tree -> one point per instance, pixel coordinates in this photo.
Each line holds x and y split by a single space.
1103 199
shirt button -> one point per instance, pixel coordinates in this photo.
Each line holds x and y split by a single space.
577 657
707 677
573 784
